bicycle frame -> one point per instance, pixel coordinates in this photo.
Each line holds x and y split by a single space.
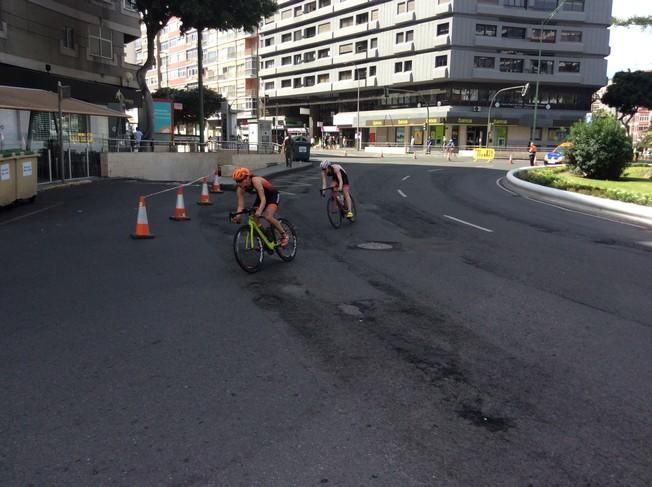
257 230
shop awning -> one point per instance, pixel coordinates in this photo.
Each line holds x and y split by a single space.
14 98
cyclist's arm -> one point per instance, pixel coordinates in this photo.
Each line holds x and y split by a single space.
239 193
323 179
258 185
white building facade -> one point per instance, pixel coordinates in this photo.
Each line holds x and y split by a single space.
391 70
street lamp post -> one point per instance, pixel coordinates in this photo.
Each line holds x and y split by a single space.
523 89
358 135
536 87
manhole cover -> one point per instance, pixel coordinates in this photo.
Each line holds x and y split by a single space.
375 246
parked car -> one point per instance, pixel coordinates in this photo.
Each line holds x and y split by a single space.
558 155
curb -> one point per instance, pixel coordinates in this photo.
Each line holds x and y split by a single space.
639 214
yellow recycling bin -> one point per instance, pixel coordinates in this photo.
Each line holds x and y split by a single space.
7 179
26 177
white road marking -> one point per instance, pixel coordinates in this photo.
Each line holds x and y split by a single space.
401 193
406 177
467 223
498 183
434 170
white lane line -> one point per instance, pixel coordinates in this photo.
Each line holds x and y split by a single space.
500 185
434 170
401 193
406 177
469 224
22 217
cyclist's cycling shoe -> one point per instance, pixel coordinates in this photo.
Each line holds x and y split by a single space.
349 215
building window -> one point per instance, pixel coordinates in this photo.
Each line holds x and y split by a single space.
324 3
570 36
308 57
372 71
513 32
515 3
100 42
485 30
569 67
309 81
402 66
269 41
441 61
344 75
286 37
362 18
347 22
547 67
346 48
406 36
361 73
191 54
286 60
286 83
374 14
297 83
549 35
286 14
297 58
484 62
324 53
403 7
574 5
361 46
373 43
323 78
269 63
309 7
322 28
69 38
547 5
298 11
309 32
298 35
269 85
511 65
442 29
130 5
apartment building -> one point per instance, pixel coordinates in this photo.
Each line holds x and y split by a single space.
80 44
230 68
396 69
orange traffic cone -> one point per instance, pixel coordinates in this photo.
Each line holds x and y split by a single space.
142 226
510 159
180 210
204 199
215 187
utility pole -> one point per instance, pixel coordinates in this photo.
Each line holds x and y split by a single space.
63 92
200 81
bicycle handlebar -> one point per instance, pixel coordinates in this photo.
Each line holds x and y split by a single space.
248 211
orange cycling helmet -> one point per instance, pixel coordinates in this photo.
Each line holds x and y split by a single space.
240 173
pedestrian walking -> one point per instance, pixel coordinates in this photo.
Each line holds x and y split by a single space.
138 137
288 150
532 153
428 145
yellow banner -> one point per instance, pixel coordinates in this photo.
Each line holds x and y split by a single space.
484 154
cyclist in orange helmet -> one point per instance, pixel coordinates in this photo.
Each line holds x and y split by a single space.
267 198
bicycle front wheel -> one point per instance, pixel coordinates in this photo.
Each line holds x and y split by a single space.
334 212
248 249
288 252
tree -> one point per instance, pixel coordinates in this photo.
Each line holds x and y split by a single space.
601 149
199 14
640 21
629 91
190 101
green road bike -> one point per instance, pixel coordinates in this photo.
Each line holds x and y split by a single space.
252 240
336 207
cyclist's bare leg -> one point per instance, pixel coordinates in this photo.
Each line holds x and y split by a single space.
347 197
268 213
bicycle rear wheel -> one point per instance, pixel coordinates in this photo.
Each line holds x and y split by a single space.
248 250
288 252
334 212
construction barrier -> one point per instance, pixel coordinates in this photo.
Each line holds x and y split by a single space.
180 210
484 154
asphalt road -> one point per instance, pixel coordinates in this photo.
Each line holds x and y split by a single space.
498 341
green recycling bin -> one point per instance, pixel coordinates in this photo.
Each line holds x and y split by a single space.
7 179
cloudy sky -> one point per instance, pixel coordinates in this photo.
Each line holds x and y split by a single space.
631 47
